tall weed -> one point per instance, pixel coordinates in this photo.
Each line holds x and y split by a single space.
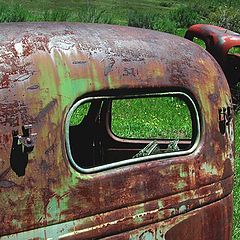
227 17
165 24
91 14
151 21
56 15
15 13
141 20
185 16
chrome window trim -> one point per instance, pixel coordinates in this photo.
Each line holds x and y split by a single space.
132 160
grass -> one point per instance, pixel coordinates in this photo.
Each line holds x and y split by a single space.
172 16
151 118
116 12
161 15
234 50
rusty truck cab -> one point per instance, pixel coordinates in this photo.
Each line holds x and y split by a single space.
112 132
224 46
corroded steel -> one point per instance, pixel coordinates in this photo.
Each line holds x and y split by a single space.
45 68
218 42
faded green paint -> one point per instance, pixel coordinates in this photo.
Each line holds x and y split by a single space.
209 168
160 204
76 177
181 185
48 90
66 91
182 209
160 235
65 83
111 83
138 215
53 209
16 223
182 173
80 86
95 80
145 235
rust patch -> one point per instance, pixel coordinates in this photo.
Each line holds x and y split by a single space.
12 114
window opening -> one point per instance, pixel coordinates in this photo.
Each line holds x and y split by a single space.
234 50
106 132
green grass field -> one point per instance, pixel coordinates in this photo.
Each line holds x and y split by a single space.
171 16
162 15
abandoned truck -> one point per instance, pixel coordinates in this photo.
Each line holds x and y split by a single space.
112 132
224 45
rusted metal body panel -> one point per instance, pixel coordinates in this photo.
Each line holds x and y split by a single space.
218 42
171 207
44 69
179 227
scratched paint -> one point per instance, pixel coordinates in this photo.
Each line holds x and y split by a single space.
178 228
45 68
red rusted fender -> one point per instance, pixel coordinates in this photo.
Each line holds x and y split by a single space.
218 42
44 69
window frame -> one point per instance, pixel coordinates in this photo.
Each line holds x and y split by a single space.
132 160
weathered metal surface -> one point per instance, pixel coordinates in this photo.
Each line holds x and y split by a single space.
44 69
218 42
133 217
211 222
